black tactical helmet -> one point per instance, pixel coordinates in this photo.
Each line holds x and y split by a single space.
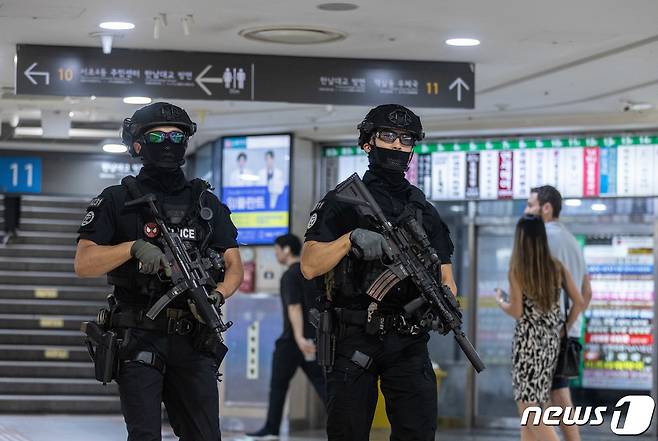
389 116
153 115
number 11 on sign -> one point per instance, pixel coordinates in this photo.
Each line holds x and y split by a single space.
20 175
14 174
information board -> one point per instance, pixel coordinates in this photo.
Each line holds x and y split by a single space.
590 167
256 185
86 71
619 320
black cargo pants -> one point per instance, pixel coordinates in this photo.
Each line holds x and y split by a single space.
408 383
188 389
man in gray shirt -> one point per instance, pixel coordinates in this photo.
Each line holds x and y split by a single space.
546 201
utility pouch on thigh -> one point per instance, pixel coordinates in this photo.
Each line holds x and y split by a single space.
103 349
207 342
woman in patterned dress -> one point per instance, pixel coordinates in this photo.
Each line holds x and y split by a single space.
535 279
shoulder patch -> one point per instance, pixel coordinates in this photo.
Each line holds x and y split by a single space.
312 220
95 203
89 218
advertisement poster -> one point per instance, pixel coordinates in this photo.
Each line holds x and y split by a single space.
521 174
619 321
489 175
608 171
571 172
591 170
256 186
440 176
505 174
625 170
473 175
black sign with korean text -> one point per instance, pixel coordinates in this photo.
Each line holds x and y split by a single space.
86 71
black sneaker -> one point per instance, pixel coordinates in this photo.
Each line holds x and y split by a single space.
263 434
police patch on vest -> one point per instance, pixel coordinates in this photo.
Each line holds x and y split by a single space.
89 218
187 233
151 230
312 220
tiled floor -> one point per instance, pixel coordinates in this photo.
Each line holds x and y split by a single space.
111 428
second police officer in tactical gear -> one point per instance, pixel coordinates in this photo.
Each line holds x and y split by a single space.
373 340
165 359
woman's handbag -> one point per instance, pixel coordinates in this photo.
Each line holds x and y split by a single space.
568 361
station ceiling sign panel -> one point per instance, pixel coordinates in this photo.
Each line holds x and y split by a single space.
588 167
86 71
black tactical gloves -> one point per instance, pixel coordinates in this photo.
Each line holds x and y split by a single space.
150 257
369 244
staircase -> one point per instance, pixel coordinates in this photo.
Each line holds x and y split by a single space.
44 365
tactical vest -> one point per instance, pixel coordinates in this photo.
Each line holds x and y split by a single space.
347 283
190 219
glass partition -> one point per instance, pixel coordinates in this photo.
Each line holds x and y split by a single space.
617 240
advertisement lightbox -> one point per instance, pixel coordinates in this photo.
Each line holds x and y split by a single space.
256 185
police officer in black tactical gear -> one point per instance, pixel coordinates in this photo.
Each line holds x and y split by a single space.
373 339
166 359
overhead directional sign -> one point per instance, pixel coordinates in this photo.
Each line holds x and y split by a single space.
31 75
459 83
86 71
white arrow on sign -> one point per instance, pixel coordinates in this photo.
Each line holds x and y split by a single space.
459 83
29 74
200 80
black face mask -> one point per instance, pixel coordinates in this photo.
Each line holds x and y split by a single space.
165 179
163 155
395 161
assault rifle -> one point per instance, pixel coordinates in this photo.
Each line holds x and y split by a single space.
412 256
189 276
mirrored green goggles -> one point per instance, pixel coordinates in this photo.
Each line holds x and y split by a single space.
157 137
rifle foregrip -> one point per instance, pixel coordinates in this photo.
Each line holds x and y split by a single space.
469 351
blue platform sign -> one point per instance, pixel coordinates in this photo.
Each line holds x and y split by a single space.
20 175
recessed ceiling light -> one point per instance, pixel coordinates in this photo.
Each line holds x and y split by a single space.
137 100
292 34
573 202
337 6
463 42
73 132
116 25
71 114
639 107
599 207
114 148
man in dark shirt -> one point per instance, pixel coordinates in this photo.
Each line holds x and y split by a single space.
374 339
294 348
167 359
